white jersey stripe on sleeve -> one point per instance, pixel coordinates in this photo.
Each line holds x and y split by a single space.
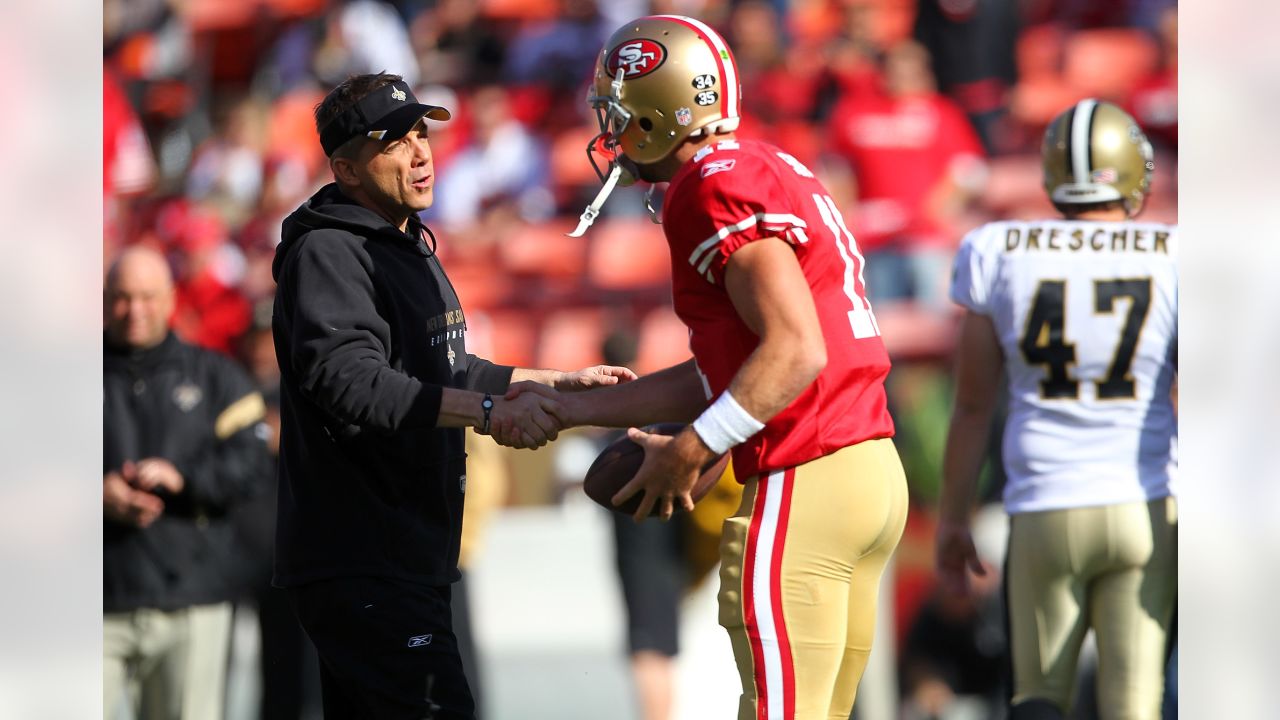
701 257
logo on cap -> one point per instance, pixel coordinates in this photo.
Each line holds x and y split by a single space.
397 94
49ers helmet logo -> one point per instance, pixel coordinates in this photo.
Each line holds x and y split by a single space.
636 58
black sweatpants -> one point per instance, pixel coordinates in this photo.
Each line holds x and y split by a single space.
383 646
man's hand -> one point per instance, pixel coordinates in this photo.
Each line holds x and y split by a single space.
525 419
125 504
154 473
670 469
955 555
593 377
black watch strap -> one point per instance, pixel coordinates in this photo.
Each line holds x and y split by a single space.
487 405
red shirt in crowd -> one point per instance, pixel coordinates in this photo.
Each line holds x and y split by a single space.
900 149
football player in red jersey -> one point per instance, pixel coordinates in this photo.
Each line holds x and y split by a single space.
788 371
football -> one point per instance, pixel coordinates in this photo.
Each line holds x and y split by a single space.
617 464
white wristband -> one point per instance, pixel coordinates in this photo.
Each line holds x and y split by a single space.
725 424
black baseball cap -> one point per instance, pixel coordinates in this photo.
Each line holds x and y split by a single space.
387 113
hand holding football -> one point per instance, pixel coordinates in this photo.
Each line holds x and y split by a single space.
619 462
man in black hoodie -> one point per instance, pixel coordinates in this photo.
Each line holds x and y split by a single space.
376 389
183 448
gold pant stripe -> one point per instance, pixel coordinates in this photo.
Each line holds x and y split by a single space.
801 562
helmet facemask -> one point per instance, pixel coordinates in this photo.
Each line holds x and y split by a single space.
612 119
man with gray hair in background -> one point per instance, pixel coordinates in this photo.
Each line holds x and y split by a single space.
183 447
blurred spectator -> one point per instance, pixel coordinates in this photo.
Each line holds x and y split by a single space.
128 168
918 165
210 310
972 43
1154 103
364 36
656 563
454 47
226 172
502 159
954 658
182 449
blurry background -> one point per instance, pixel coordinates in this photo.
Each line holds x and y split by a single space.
923 118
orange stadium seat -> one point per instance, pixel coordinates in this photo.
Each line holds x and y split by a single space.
628 254
1038 52
519 9
477 284
544 249
663 341
1014 181
1035 102
569 165
506 337
571 339
1108 63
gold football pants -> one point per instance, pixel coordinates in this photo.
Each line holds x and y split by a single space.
1113 568
800 570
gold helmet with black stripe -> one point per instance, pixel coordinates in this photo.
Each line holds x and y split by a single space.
1095 153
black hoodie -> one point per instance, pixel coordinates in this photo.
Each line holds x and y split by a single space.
368 331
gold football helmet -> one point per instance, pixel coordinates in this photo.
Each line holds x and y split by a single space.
659 80
1095 152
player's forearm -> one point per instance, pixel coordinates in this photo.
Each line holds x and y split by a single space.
776 373
460 408
672 395
544 377
966 448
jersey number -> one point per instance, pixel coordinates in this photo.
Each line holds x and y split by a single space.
861 319
1044 341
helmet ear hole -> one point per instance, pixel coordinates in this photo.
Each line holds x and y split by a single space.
646 124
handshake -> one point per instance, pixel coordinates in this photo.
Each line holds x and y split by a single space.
532 413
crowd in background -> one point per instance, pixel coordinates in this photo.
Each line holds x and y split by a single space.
923 118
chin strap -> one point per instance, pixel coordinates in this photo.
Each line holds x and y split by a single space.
589 214
653 203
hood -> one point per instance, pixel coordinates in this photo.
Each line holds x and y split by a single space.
330 209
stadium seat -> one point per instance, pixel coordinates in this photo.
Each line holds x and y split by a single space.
519 9
1108 63
1038 52
1014 180
571 339
1035 102
663 342
544 249
628 254
569 165
508 336
477 284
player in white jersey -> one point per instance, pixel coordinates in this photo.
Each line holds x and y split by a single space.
1079 316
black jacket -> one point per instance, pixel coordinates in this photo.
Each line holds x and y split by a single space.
368 331
198 410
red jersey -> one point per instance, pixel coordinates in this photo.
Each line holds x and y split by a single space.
728 195
900 149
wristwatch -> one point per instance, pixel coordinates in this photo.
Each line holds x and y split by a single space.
487 405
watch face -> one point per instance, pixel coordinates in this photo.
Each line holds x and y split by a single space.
487 403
